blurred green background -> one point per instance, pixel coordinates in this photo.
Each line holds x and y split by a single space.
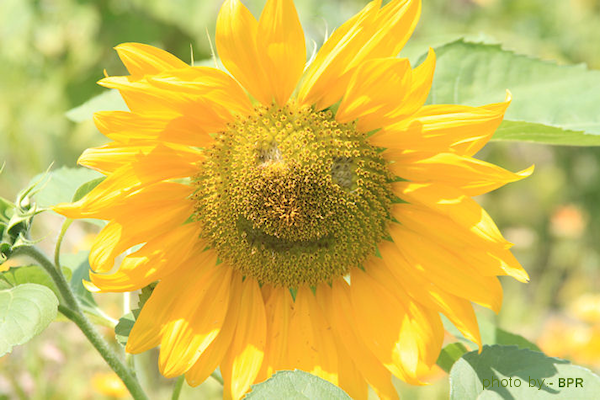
53 51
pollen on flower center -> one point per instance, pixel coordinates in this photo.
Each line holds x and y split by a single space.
290 197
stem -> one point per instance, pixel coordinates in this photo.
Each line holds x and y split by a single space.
72 311
105 351
55 274
177 388
61 236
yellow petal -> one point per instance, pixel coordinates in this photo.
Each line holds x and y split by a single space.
419 287
421 329
375 89
472 176
282 49
424 326
311 347
160 164
350 379
210 359
206 82
278 310
144 98
243 360
106 159
422 78
195 322
443 128
456 205
405 97
236 43
169 293
382 322
337 305
141 59
156 259
445 270
126 127
490 257
372 33
150 198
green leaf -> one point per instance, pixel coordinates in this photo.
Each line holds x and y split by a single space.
551 103
109 100
296 385
145 294
124 327
507 372
539 133
450 354
86 188
32 274
126 322
512 339
491 334
60 185
25 311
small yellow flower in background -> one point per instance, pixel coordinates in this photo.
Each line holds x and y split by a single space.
587 308
572 340
576 336
314 217
109 384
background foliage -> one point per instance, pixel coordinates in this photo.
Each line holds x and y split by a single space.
53 51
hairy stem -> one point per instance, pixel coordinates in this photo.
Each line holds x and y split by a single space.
72 311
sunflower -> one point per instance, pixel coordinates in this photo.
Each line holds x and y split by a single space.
312 216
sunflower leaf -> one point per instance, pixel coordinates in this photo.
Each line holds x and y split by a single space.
508 372
60 185
491 334
124 327
86 188
296 385
109 100
512 339
25 311
32 274
126 322
551 104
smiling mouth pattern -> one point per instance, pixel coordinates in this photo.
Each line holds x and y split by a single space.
256 237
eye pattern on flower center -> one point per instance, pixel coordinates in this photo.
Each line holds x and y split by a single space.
290 196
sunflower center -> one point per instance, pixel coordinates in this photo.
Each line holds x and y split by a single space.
291 197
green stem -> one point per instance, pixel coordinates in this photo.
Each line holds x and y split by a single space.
72 311
54 272
177 388
105 351
61 236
